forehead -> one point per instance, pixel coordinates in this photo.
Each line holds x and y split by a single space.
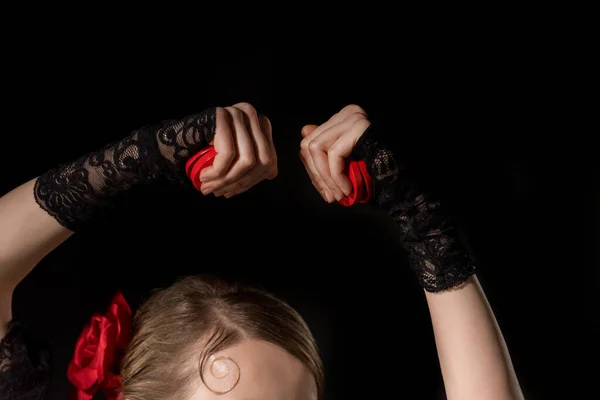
266 372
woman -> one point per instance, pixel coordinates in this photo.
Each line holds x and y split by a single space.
161 362
474 359
200 338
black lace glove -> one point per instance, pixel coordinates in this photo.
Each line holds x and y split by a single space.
76 193
427 233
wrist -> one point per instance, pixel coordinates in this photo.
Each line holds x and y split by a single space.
177 141
78 193
427 232
431 239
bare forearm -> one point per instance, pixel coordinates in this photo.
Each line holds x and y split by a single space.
473 355
27 234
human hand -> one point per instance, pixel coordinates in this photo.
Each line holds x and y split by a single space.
245 151
324 150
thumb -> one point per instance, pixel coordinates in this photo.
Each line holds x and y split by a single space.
308 129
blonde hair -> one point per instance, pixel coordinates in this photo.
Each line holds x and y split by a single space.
163 360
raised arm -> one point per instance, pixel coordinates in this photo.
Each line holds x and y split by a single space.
473 356
39 215
27 234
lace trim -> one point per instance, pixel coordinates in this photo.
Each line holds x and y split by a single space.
427 232
78 193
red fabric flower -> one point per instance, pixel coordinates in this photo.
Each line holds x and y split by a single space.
101 344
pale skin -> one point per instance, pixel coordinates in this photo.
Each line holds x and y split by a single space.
474 359
246 156
245 152
473 356
266 372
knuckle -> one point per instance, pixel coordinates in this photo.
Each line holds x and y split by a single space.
265 160
266 120
304 145
334 151
353 109
248 109
244 105
234 111
337 117
354 118
314 146
247 162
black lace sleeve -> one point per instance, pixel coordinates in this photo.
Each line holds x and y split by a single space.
78 192
428 232
24 365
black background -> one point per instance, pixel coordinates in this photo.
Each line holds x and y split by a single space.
480 124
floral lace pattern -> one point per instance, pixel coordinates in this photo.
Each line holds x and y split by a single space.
427 233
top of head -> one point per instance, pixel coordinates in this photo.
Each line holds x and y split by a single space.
202 324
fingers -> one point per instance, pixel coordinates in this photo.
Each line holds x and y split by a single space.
325 148
308 129
242 185
312 178
266 170
224 144
245 152
307 158
318 148
309 165
341 150
267 128
330 150
245 158
259 137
